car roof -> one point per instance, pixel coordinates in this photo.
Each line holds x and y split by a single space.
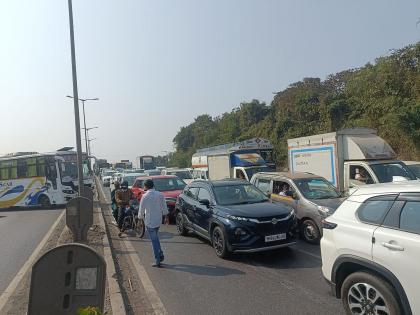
221 182
388 188
291 175
156 176
412 162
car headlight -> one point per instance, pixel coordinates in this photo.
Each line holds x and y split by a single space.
324 211
68 191
241 219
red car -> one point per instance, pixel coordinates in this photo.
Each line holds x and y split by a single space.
169 185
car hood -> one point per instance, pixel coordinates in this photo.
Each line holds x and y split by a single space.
171 195
256 210
330 203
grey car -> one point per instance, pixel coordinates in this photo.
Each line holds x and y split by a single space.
312 197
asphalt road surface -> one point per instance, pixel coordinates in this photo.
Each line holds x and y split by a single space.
195 281
20 233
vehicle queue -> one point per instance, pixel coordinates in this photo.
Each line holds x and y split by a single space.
368 226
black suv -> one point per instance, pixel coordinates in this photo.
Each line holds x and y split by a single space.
234 216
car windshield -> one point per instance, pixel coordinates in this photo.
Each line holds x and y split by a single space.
386 172
238 194
415 168
167 184
316 188
182 174
129 179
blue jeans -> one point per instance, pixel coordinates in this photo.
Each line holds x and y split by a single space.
154 238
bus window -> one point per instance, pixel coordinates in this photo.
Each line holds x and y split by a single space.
31 167
41 166
21 168
13 170
4 170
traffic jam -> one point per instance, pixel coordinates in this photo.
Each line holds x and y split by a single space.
345 192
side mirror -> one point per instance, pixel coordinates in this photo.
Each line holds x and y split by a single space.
205 202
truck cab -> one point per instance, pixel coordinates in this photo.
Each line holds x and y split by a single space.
348 158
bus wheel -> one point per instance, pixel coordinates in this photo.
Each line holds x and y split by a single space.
44 201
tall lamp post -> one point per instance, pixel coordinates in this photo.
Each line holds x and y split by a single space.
83 100
76 102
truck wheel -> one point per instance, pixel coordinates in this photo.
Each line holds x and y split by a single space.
310 232
44 201
364 293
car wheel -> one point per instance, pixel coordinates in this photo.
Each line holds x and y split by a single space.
310 232
44 201
219 242
180 227
364 293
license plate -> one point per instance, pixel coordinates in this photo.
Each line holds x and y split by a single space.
276 237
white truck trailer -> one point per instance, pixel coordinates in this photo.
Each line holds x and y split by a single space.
347 158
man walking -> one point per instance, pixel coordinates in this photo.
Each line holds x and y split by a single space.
152 208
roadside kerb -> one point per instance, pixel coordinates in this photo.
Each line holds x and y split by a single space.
117 302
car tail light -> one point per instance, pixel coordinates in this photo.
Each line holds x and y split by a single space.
328 225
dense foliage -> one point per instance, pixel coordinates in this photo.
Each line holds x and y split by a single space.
384 96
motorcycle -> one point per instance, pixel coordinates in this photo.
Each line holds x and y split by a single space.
132 221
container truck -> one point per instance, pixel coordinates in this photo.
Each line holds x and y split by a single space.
146 162
260 146
239 164
347 158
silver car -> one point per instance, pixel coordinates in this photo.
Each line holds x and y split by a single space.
312 197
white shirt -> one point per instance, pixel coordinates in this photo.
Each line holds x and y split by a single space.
153 207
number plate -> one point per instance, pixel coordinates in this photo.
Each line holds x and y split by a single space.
276 237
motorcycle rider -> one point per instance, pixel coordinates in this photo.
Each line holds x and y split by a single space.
114 205
122 197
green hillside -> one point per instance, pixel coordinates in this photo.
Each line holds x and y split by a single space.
384 95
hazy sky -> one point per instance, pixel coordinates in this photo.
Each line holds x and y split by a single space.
155 65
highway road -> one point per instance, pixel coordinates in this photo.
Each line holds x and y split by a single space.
194 280
20 233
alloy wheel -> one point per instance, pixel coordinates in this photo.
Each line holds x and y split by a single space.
218 242
364 299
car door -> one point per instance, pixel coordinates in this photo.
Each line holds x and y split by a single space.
264 184
397 244
291 201
203 213
189 205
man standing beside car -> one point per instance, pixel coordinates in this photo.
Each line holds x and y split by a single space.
152 209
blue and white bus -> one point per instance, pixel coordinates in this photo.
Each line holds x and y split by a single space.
33 180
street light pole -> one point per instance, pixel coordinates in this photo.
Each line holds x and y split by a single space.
76 102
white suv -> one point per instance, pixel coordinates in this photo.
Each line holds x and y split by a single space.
371 250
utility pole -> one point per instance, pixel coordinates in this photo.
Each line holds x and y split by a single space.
76 103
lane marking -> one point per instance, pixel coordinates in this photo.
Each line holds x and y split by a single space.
307 253
4 297
148 286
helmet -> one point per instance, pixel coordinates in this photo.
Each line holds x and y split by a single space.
124 184
117 184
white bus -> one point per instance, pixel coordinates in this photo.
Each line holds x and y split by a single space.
70 160
33 180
